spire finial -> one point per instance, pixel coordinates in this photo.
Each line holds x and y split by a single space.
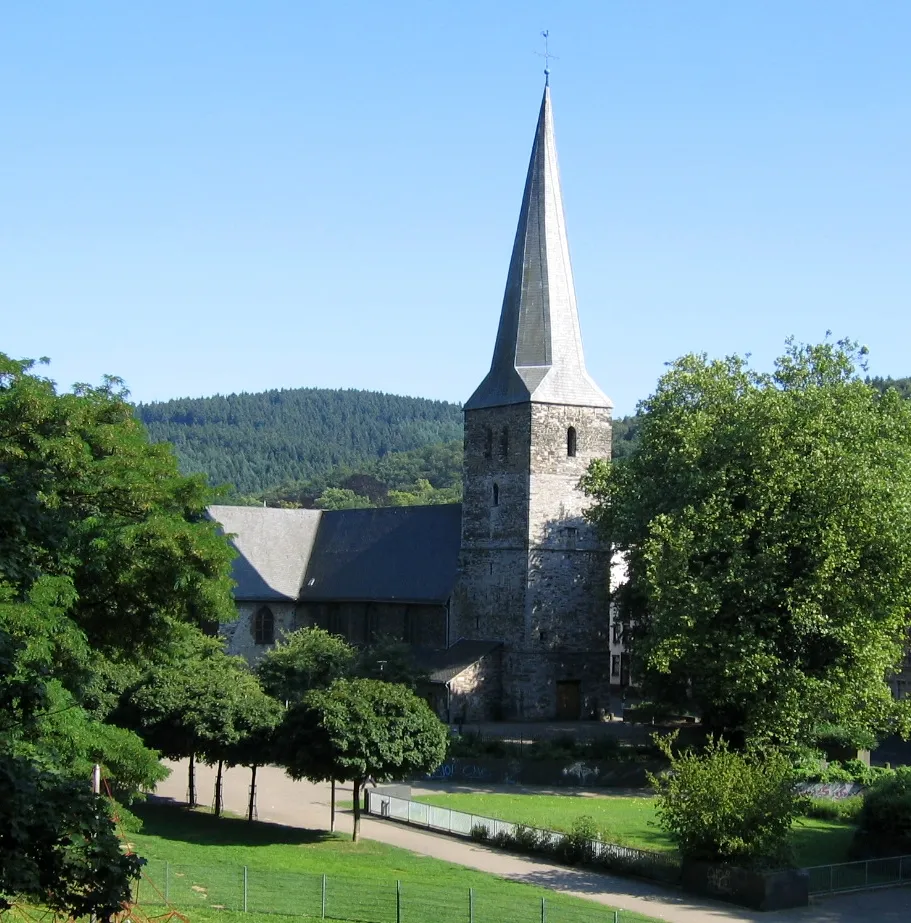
547 57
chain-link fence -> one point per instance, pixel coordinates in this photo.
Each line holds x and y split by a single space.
360 900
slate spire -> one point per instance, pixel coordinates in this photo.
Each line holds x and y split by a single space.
538 353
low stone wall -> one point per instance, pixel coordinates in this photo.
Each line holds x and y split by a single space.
546 773
778 890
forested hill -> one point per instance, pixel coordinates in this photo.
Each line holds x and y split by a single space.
258 441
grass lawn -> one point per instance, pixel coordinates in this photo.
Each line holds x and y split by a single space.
631 821
199 861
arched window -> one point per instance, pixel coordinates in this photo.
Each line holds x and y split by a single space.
571 442
496 494
488 443
504 442
264 626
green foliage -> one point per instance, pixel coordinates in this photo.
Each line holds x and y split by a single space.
722 805
431 474
391 661
814 769
58 846
202 701
836 736
624 437
309 658
259 441
885 818
359 729
106 555
901 385
424 494
339 498
843 809
766 521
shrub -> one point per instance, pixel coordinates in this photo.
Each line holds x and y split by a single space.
844 809
525 839
815 769
885 818
727 806
480 833
576 846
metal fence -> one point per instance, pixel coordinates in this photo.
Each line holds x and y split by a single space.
864 875
647 863
360 900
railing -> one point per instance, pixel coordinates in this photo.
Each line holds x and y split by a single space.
646 863
362 900
864 875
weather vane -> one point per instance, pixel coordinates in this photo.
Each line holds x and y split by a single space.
547 58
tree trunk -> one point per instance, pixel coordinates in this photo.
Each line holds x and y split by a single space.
252 805
218 778
191 785
332 810
357 811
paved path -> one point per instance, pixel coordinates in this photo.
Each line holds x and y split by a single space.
303 804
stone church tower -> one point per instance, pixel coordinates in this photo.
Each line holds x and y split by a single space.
531 572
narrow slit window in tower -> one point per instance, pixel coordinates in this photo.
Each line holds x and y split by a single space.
571 442
504 442
488 444
496 494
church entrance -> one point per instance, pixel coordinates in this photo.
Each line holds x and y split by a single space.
569 700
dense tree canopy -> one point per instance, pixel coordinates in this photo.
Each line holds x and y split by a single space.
105 551
359 729
259 441
309 658
766 521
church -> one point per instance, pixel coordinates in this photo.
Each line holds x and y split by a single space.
504 596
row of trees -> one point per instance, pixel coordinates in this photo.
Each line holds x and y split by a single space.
314 705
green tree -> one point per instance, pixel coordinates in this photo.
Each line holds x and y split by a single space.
84 495
58 846
360 729
339 498
309 658
105 551
723 805
199 703
423 493
391 661
766 520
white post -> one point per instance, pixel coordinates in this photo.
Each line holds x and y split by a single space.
96 779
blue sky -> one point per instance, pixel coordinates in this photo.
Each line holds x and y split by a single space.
207 197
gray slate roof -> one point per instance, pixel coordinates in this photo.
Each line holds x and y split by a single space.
273 549
538 353
395 554
444 666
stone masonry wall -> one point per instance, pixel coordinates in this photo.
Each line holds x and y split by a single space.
532 573
530 682
239 637
476 694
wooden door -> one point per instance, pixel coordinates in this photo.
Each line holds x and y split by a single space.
569 700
